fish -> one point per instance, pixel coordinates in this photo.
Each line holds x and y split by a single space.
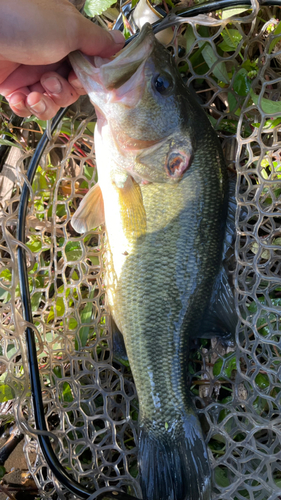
163 196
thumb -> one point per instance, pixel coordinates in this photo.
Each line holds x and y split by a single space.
96 41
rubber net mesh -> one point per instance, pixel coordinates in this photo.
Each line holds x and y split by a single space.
91 406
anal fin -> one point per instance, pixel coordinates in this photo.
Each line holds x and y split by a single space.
220 319
119 349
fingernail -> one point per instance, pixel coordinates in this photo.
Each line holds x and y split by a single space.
39 107
20 106
76 84
52 84
117 36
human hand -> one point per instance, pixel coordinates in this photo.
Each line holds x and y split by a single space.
35 38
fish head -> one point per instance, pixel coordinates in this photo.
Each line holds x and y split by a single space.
141 96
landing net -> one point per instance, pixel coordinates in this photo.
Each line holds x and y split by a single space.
91 406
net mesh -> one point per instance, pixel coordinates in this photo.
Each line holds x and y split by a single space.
90 402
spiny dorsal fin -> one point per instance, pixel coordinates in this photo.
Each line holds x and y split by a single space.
90 213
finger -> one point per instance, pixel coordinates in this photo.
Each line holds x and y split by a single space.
75 82
24 76
37 87
61 92
94 40
41 105
17 102
6 68
34 103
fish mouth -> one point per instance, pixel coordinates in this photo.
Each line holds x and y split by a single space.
95 72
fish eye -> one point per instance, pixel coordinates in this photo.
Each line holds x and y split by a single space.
162 84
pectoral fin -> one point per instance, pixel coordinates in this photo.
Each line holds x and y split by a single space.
132 210
90 213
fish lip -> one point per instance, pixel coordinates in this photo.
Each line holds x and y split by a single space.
125 64
114 73
81 62
145 34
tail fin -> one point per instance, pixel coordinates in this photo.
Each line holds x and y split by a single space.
173 461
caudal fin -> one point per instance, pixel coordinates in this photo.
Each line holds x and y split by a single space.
173 461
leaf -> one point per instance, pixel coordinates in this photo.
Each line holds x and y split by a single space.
225 47
86 317
40 183
11 351
210 57
72 324
6 393
67 393
267 106
34 244
223 367
262 381
265 254
212 120
96 7
242 84
189 37
273 123
73 251
2 471
57 371
170 3
233 12
88 171
5 296
221 477
35 301
90 128
231 39
60 309
269 124
232 103
60 209
5 142
94 260
74 255
134 470
277 31
6 274
42 123
4 132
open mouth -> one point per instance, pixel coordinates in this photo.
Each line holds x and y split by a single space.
114 73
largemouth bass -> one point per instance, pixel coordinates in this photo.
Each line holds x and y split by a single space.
162 194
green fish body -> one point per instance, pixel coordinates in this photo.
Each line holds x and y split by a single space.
162 192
